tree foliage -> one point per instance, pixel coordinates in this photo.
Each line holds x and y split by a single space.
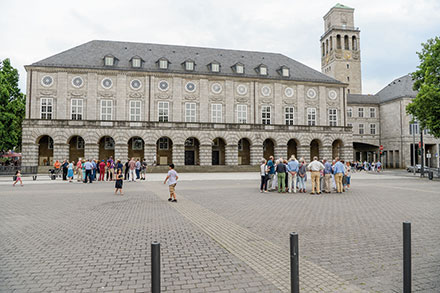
426 106
12 107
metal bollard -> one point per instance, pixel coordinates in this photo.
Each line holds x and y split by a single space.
155 267
294 265
406 257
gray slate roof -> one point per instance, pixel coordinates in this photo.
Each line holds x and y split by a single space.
362 99
398 88
90 55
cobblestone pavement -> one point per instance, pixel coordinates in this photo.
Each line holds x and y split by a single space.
222 236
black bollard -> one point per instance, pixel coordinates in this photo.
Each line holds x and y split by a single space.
406 257
155 267
294 265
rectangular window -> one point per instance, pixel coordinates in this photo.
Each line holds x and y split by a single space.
109 61
163 110
106 109
285 72
77 109
361 128
46 108
215 67
135 110
289 115
239 69
349 125
190 112
241 113
163 143
311 116
136 62
189 66
80 143
372 112
263 71
349 112
372 128
361 112
332 117
265 114
163 64
216 113
414 128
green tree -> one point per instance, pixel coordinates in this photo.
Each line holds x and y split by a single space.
12 107
426 106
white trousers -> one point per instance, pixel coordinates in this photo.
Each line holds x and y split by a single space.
292 179
132 175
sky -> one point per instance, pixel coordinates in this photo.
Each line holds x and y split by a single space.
391 31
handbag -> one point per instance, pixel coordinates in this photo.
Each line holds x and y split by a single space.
14 178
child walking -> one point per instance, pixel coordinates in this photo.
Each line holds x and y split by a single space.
172 178
18 178
119 182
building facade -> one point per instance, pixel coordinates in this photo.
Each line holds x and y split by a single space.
186 105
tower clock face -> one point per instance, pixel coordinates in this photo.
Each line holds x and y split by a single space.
347 55
327 59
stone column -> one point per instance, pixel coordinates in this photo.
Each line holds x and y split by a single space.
281 152
347 154
30 154
121 151
149 152
60 151
178 154
256 154
231 155
304 152
326 151
205 155
91 151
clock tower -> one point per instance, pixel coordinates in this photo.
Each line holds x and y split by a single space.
340 48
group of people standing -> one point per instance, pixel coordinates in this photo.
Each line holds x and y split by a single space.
104 170
290 176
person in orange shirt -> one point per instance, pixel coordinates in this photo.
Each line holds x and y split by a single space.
57 165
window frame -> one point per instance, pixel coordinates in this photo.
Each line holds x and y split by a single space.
215 67
164 143
372 112
332 117
79 115
361 127
46 115
136 62
136 116
218 117
242 109
373 128
310 115
165 117
361 110
106 107
107 59
266 117
190 116
349 112
289 116
162 62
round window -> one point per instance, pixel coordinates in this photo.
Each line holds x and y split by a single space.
135 84
107 83
311 93
265 91
332 94
190 87
288 92
241 89
216 88
163 85
77 82
47 80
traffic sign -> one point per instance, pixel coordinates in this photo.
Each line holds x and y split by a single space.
381 147
428 155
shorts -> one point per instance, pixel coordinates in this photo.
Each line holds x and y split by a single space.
172 188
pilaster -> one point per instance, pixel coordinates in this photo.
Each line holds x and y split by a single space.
256 153
121 151
30 154
281 151
231 155
304 152
60 151
149 152
91 151
178 154
205 155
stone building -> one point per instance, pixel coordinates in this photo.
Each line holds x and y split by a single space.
186 105
378 119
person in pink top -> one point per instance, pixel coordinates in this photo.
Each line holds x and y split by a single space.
18 178
79 170
132 172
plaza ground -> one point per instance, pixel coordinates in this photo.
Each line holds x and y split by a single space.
221 236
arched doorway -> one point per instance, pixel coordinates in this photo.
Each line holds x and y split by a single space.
292 148
164 151
45 151
192 151
136 148
314 149
76 148
337 149
268 148
244 152
106 148
218 151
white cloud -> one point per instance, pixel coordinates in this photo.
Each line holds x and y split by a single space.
391 31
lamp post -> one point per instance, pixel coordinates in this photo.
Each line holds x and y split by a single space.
414 148
422 171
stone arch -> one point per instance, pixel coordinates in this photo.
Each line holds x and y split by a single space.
331 43
244 151
106 147
337 148
346 43
326 47
354 43
292 148
338 42
45 150
218 151
136 147
164 151
192 151
315 148
268 148
323 49
76 147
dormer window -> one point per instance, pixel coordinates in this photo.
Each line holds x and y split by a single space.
262 69
163 63
189 65
109 60
136 62
284 71
214 67
239 68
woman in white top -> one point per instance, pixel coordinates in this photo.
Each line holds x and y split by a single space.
264 175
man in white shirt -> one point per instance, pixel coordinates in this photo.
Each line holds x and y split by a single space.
172 178
315 168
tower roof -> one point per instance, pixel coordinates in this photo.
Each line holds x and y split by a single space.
339 5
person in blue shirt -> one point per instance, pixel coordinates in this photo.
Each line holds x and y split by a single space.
339 170
292 168
327 175
271 167
94 166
